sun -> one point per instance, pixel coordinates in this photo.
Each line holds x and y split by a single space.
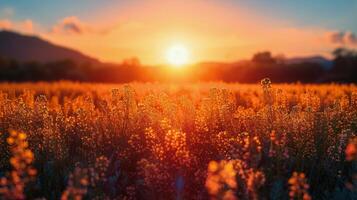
177 55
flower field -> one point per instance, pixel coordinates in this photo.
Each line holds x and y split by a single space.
67 140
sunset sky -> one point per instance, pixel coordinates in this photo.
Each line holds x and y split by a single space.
212 30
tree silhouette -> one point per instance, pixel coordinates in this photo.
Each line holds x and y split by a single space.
264 57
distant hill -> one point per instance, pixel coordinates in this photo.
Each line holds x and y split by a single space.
324 62
327 64
25 48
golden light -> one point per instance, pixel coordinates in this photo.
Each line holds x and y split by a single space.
177 55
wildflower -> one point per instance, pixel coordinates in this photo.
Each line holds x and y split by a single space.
77 185
12 186
266 83
226 179
255 180
221 179
351 150
298 187
101 166
273 136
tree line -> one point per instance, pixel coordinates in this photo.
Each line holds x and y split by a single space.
262 64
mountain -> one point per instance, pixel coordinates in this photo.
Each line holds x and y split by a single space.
327 64
25 48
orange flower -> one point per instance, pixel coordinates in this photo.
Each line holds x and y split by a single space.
351 152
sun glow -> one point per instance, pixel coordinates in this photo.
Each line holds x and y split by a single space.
177 55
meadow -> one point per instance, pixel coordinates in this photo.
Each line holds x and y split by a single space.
67 140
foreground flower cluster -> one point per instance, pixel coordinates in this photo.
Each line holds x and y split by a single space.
160 141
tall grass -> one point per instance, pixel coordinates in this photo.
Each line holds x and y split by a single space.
166 141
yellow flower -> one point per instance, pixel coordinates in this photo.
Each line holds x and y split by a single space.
10 140
22 136
13 133
212 166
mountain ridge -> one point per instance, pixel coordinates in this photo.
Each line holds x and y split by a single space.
26 48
